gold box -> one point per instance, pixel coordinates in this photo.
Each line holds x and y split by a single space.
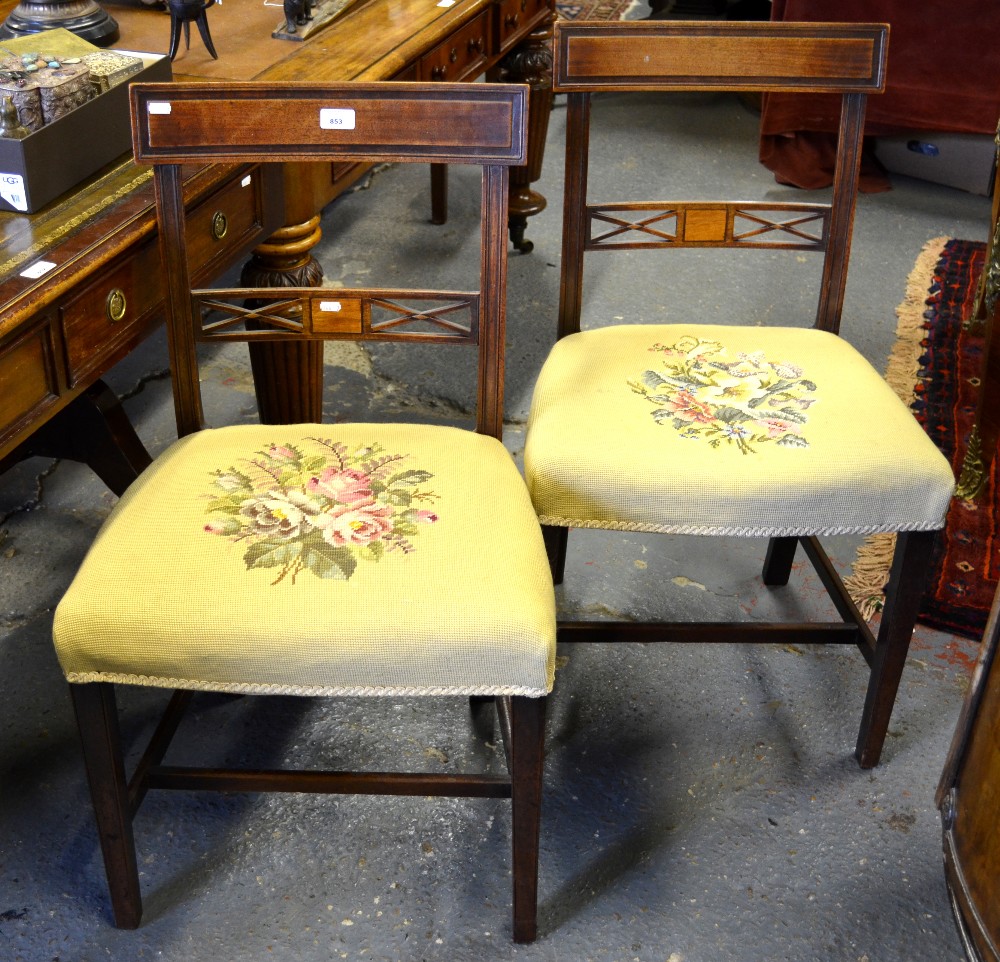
108 68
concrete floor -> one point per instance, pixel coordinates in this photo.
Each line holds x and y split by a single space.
702 805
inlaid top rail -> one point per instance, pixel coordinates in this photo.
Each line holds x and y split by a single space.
640 55
255 122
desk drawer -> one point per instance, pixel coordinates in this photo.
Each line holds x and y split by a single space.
513 16
116 309
107 312
28 378
462 56
225 222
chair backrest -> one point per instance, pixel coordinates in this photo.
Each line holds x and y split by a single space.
845 59
184 123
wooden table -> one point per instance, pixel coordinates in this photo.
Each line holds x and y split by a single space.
60 332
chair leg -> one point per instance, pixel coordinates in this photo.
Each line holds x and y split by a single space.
527 756
778 563
907 581
97 719
483 717
555 547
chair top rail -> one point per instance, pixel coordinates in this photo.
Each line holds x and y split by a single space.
194 122
643 55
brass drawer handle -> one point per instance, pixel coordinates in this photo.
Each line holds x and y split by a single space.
512 20
439 73
220 225
115 305
477 45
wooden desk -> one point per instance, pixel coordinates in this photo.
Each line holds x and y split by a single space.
61 331
56 334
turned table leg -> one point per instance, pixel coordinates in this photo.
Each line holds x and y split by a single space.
531 63
288 377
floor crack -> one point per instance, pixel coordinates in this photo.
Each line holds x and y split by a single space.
140 385
34 501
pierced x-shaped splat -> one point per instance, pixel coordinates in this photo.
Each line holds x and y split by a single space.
292 313
709 225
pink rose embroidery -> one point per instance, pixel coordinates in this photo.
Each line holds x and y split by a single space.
336 484
355 526
320 506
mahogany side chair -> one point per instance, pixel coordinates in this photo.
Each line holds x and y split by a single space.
352 559
784 433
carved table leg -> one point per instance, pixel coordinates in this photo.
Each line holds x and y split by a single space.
288 377
530 63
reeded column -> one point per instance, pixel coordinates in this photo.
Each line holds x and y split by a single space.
288 376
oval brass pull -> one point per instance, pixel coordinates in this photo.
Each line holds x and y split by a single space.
439 73
511 20
115 305
453 56
220 225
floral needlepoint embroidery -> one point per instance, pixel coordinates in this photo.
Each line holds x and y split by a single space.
320 506
744 402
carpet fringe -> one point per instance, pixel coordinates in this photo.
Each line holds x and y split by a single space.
870 571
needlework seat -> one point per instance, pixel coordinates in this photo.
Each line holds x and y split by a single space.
670 442
316 618
361 559
741 430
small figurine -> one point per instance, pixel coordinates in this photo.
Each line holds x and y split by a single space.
297 14
10 124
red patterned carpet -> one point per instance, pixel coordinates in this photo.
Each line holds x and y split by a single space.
935 368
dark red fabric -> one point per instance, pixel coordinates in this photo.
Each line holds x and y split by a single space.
943 74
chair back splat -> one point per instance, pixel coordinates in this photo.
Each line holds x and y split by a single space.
407 123
351 559
844 59
733 430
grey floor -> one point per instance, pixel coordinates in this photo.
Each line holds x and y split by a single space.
702 805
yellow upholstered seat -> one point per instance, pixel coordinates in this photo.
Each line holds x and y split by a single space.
722 430
319 560
360 559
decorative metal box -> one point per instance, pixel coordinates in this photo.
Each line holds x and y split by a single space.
108 68
56 157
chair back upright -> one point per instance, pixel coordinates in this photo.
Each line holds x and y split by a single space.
184 123
844 59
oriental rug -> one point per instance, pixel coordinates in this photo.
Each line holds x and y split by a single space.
935 368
